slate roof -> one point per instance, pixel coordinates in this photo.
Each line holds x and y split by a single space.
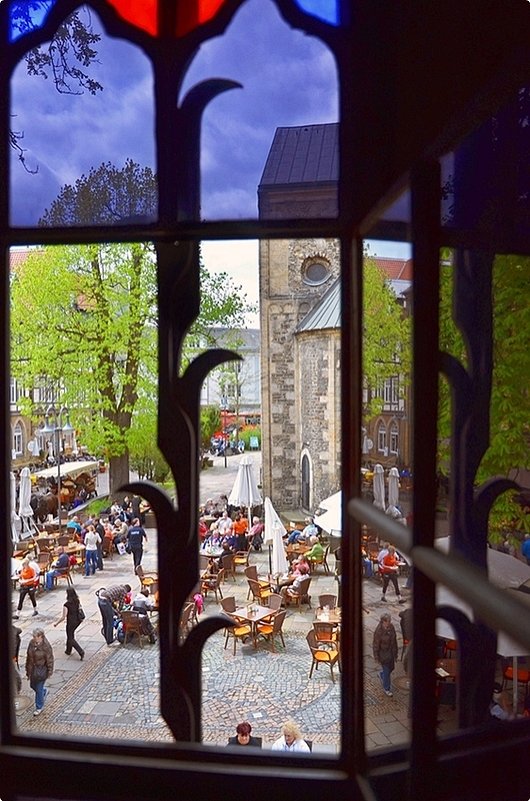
303 154
326 313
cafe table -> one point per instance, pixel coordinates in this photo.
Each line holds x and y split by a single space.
253 614
446 669
329 615
296 549
212 551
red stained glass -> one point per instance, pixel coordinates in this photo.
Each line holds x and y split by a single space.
144 13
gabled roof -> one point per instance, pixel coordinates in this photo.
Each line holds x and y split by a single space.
395 268
303 154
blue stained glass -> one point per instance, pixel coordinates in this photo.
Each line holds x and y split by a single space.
27 15
326 10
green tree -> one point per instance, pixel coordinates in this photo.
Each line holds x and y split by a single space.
510 402
386 336
85 316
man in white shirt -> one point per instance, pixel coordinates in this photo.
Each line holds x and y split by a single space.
291 739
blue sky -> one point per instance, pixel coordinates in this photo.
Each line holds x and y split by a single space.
288 78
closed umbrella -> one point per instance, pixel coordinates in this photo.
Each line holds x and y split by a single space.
15 519
393 487
379 487
245 491
24 506
273 536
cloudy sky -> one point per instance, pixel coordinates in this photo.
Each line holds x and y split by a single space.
288 78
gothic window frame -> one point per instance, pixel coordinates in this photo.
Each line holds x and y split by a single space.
381 435
374 171
18 439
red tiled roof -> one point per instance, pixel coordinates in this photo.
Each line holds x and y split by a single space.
395 268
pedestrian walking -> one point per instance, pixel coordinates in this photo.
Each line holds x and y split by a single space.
39 667
29 581
74 615
385 650
135 540
388 568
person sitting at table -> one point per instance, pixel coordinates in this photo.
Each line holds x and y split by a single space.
213 540
316 551
304 535
203 528
208 577
289 584
291 739
368 568
501 707
143 603
73 528
255 535
243 736
60 566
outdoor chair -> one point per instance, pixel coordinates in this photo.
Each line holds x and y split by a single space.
228 565
327 600
299 596
251 572
273 629
323 560
63 540
322 654
186 620
146 579
260 594
240 631
66 575
203 562
132 624
325 632
241 559
212 583
522 677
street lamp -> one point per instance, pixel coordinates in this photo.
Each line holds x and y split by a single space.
54 427
224 409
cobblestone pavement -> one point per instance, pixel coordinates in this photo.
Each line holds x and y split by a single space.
113 693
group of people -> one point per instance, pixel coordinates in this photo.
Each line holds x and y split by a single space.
120 531
113 600
290 740
232 532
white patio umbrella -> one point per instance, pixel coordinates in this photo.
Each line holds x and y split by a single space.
15 519
24 497
393 487
331 518
504 571
245 491
379 487
273 536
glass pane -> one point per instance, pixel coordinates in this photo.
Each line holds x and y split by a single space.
497 423
387 478
289 84
68 435
72 122
284 418
27 15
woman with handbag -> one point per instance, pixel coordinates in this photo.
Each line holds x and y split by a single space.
39 667
74 614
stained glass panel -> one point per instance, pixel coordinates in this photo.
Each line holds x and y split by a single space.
325 10
26 16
